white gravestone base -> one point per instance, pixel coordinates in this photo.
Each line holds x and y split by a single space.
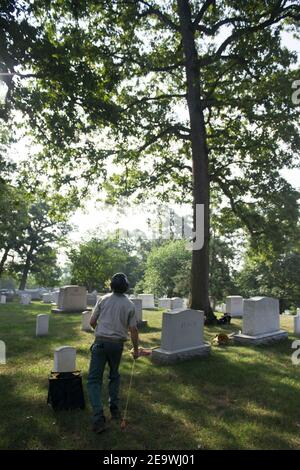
261 322
181 337
3 299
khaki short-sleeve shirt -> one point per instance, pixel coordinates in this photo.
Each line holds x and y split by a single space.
115 314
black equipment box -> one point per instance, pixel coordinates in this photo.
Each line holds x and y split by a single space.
65 391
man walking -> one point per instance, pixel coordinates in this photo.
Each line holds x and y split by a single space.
113 316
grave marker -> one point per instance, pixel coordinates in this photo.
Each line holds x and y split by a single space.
148 300
71 299
235 305
261 321
85 324
138 303
42 324
297 324
181 337
64 359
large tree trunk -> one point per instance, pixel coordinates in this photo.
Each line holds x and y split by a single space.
3 260
26 269
200 257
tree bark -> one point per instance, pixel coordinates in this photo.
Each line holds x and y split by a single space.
26 269
3 260
200 257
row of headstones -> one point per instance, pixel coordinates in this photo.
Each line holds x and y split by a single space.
25 299
42 323
234 306
183 331
66 298
81 298
77 298
172 303
182 334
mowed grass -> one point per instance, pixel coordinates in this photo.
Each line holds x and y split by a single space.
238 398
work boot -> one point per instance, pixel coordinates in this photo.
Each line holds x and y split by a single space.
99 425
115 413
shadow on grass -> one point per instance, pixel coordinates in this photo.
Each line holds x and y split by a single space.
229 396
240 397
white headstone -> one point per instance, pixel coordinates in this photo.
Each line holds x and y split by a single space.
297 324
47 298
54 297
3 299
234 305
64 359
138 303
35 294
176 302
25 299
164 302
181 336
298 311
221 308
91 299
42 324
71 299
85 325
148 300
261 321
2 352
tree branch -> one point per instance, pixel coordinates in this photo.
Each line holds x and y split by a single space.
154 98
158 13
202 12
287 12
234 206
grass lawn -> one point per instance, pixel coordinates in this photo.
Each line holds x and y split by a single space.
238 398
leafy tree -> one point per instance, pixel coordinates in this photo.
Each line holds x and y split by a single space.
45 269
222 271
95 261
135 67
46 227
272 274
166 266
13 220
